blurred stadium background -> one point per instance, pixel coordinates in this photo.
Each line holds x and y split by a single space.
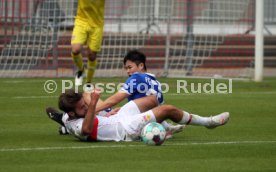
181 38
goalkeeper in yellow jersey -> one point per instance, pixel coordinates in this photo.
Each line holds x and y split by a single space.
88 29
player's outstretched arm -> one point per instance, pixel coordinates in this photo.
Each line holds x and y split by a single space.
112 101
88 121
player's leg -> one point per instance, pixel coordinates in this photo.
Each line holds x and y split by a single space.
79 37
57 117
77 56
172 129
54 115
158 114
164 112
146 103
94 42
91 67
137 106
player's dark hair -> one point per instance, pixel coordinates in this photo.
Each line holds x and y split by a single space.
136 57
68 100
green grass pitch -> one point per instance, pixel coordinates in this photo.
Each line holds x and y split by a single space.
29 140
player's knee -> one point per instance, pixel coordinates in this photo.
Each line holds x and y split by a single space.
92 56
76 50
152 101
169 109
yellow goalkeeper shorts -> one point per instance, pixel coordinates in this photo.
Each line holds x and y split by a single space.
84 33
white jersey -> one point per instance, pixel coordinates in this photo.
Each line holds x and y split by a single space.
126 125
108 129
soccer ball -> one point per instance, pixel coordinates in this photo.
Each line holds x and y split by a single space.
153 134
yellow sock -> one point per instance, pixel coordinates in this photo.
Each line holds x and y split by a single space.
91 66
78 61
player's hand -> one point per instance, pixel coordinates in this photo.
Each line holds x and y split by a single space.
95 95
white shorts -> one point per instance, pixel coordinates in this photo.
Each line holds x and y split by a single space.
119 127
133 120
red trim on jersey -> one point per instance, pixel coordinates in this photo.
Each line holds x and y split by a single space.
94 131
190 119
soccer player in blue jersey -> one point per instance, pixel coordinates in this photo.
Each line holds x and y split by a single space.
139 84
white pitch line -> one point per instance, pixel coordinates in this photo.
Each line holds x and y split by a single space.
228 142
125 146
234 93
25 81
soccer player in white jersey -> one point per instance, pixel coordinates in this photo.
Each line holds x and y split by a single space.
129 121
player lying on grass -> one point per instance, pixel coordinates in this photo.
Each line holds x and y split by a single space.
139 84
127 124
61 118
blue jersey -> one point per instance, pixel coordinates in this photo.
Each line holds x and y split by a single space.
143 84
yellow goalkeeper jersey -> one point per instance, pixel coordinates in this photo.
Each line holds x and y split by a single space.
91 11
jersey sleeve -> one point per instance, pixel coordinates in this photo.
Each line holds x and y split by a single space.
78 126
130 86
75 127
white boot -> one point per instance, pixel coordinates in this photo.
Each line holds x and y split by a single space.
218 120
